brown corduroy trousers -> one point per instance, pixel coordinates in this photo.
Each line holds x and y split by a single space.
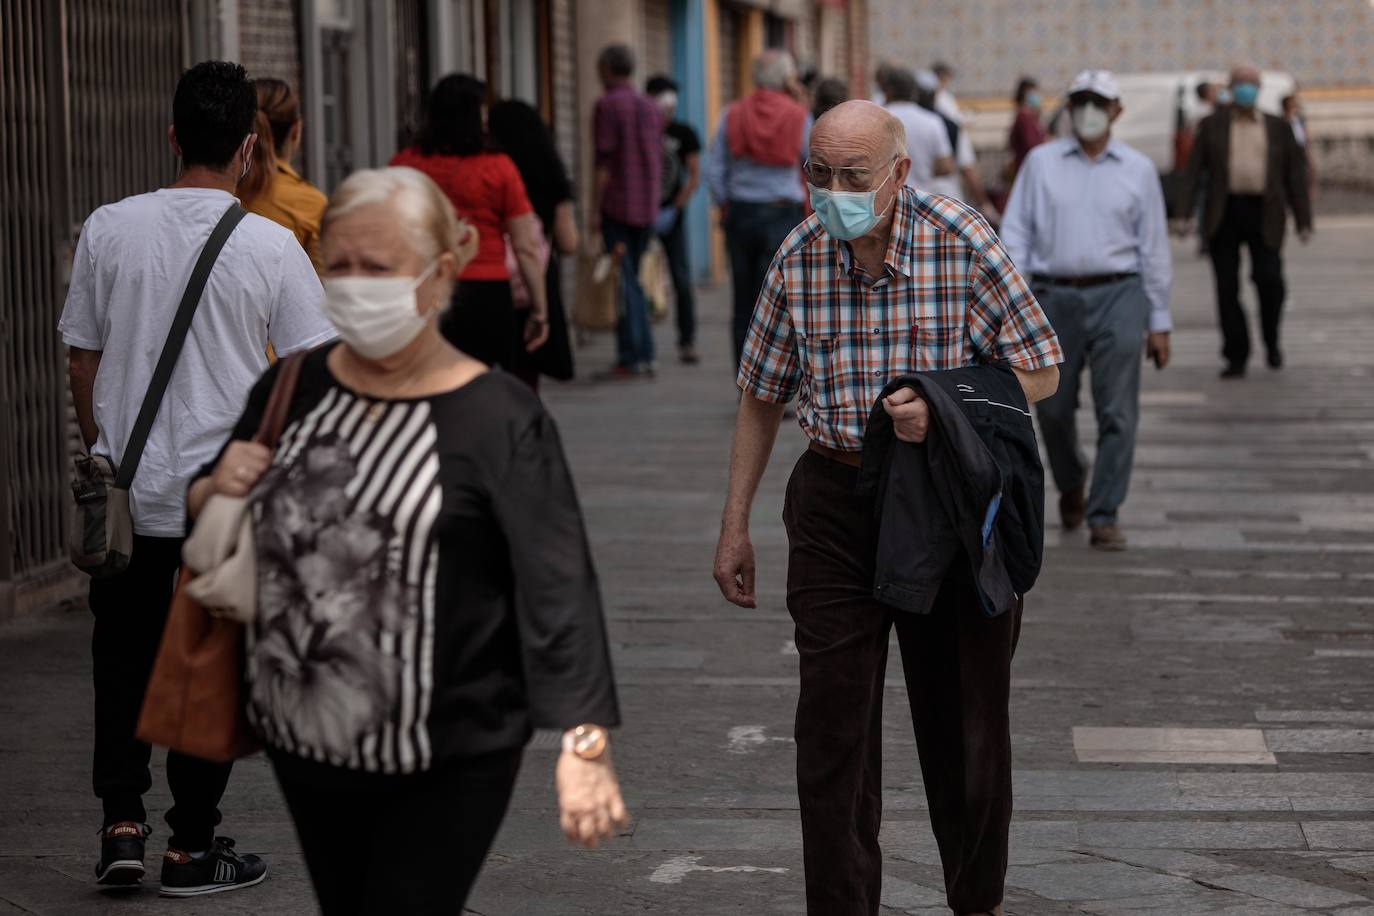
957 663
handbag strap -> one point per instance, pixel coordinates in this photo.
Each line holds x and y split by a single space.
176 339
279 401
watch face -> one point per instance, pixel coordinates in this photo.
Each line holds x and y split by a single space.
589 743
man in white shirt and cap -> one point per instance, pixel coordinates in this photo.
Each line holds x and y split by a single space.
1086 222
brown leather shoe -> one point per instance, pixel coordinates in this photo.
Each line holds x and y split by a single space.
1072 508
1108 537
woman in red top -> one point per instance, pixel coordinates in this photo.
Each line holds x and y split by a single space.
453 149
1026 131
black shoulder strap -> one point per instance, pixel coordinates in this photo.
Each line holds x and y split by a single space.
176 338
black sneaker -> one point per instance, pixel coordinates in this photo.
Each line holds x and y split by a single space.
121 853
220 869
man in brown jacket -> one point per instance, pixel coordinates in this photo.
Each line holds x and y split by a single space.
1255 173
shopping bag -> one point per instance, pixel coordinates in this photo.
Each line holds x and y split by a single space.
597 307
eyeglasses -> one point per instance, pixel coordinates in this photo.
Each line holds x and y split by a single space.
852 178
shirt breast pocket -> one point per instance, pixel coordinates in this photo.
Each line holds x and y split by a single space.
827 363
936 345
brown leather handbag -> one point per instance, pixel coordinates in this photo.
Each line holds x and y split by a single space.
194 703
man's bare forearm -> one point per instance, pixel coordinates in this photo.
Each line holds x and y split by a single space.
756 429
82 366
1037 384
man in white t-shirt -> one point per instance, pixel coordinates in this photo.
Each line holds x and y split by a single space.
936 82
927 140
131 268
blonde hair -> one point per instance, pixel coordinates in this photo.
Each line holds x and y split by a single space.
431 225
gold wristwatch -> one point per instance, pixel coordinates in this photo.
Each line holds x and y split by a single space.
586 741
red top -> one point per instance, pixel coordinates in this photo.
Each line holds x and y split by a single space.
486 190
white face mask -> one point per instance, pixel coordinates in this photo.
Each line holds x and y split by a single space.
1091 122
376 316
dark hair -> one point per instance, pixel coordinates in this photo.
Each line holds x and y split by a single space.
942 70
901 85
829 93
1023 88
617 60
660 83
522 134
1203 89
279 110
212 112
453 121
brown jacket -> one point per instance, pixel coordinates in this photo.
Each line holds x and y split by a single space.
1285 185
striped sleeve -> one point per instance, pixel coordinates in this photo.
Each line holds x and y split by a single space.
1005 320
769 369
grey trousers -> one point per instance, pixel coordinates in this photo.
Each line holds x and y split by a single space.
1100 328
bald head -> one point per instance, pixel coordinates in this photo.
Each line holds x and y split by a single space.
1245 74
858 127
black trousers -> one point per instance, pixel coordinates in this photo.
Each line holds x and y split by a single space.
1243 224
407 845
130 611
481 321
675 247
753 233
957 664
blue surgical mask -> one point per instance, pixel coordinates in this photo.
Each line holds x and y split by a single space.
846 215
1245 94
1033 99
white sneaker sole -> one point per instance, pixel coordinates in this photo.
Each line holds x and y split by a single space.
205 889
121 873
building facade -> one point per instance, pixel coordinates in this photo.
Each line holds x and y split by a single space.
87 96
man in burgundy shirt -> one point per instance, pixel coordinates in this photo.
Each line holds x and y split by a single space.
628 135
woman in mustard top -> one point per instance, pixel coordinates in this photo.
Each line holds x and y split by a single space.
272 187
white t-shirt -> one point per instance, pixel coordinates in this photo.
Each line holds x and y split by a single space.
131 267
926 141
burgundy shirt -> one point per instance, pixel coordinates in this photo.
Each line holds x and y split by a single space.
629 145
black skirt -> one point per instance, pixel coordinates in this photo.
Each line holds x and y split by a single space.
481 322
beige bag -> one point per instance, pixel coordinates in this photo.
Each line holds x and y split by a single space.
597 307
220 551
221 555
655 280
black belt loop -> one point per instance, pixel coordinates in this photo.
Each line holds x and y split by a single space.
1082 282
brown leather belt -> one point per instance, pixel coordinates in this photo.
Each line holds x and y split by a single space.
850 458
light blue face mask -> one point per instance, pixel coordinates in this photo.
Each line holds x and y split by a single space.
1033 99
846 215
1245 94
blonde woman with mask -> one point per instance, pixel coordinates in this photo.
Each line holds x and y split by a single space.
426 595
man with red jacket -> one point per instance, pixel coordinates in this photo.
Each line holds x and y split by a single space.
752 171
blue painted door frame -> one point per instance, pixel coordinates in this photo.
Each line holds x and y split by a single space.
689 70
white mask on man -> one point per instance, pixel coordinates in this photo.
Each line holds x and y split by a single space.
1091 122
376 316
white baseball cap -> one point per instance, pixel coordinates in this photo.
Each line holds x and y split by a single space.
1098 82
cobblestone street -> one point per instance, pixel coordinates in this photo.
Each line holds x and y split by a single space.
1193 719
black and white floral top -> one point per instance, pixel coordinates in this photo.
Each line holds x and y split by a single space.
425 586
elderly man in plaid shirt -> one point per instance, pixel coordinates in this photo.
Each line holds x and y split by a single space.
883 280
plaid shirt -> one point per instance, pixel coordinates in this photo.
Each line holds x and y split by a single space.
827 332
628 132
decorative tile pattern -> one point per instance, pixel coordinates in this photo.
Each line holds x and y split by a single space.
993 42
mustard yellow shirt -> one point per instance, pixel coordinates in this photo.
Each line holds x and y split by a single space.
295 203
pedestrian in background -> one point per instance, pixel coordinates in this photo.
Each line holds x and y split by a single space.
272 187
1293 114
927 141
1087 220
895 282
967 185
1026 130
681 178
483 184
132 265
751 171
426 594
829 93
522 134
628 134
1255 173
